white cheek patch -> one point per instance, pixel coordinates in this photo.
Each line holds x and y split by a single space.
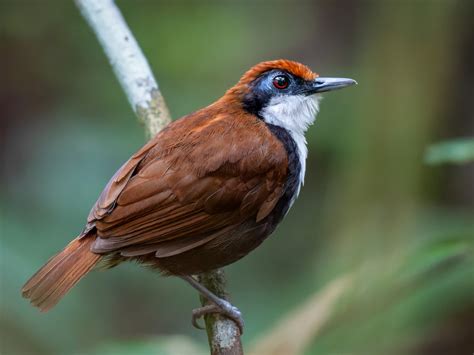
294 113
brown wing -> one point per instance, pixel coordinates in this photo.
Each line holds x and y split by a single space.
197 179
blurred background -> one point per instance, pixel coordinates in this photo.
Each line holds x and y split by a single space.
376 256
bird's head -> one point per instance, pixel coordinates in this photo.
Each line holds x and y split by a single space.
284 93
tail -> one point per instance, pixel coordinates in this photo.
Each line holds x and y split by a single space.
50 283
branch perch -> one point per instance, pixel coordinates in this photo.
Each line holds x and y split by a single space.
128 62
135 76
223 334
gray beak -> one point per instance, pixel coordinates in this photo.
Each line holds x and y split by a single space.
329 84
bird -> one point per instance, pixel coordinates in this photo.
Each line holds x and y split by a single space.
204 192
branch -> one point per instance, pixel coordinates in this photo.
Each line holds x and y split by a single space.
129 63
137 80
222 333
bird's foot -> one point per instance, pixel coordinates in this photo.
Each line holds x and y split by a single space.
218 305
224 308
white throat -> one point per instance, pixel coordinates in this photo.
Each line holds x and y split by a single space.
294 113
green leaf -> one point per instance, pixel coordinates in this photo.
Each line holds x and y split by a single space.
458 151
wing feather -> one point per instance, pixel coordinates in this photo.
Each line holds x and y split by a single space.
197 179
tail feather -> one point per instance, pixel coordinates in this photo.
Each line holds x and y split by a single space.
50 283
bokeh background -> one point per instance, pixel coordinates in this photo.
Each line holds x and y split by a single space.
376 256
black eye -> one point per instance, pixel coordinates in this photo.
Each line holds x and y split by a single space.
281 82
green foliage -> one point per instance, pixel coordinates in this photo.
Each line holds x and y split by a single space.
458 151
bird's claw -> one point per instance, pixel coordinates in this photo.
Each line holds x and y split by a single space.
201 312
225 309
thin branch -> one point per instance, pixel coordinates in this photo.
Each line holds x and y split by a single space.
137 80
222 333
129 63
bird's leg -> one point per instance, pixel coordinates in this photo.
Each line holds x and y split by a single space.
219 305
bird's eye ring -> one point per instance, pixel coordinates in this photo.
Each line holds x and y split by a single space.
281 82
